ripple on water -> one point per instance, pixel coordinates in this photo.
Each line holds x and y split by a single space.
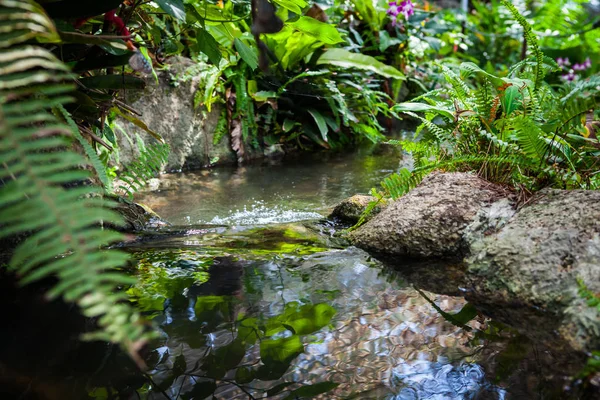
261 214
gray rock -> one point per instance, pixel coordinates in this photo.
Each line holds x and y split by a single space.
350 209
137 217
526 273
430 220
168 109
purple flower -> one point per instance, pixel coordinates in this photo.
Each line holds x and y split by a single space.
570 77
563 62
406 8
587 63
578 67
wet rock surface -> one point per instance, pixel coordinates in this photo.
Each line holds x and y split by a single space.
531 265
168 109
350 209
429 222
137 217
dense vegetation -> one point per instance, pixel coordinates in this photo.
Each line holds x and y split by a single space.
507 90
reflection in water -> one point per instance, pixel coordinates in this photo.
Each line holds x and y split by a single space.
332 324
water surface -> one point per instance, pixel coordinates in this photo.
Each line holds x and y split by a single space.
302 188
271 303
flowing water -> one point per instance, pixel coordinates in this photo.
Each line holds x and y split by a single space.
256 297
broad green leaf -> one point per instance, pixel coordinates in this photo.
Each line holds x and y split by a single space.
246 53
345 59
294 6
208 45
288 124
422 107
201 390
511 99
324 32
174 8
321 123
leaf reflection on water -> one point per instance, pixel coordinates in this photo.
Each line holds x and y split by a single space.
300 326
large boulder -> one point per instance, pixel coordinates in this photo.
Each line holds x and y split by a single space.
430 220
526 273
168 109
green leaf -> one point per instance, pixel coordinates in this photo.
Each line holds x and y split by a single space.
209 46
324 32
79 8
137 122
321 123
511 99
294 6
103 61
263 95
174 8
246 53
201 390
345 59
288 124
421 107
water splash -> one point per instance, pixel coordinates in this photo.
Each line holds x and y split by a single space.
260 214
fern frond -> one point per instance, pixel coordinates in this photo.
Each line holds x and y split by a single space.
530 138
532 40
398 184
462 91
591 84
442 135
45 192
139 172
484 99
89 150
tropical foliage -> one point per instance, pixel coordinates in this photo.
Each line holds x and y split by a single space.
513 129
504 90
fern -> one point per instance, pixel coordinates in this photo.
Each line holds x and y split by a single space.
138 173
44 191
531 39
89 150
590 84
398 184
530 138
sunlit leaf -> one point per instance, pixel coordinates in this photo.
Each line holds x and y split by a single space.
174 8
346 59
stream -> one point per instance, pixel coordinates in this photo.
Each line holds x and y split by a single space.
257 297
